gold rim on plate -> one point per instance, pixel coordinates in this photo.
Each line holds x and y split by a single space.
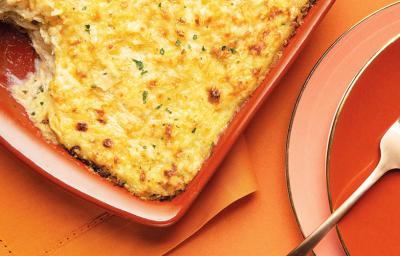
293 114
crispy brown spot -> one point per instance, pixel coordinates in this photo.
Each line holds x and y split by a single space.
102 172
285 43
82 127
214 95
101 120
256 49
100 112
171 172
219 53
305 9
166 186
179 153
81 74
181 20
197 20
74 150
168 131
45 121
275 12
180 33
75 42
152 83
164 32
142 176
266 33
256 72
108 143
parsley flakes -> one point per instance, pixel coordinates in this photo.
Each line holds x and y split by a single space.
144 96
87 28
139 64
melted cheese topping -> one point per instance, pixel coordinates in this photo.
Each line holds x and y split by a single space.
143 89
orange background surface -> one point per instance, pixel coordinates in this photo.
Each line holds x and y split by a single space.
259 224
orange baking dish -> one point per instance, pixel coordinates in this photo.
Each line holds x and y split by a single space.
19 135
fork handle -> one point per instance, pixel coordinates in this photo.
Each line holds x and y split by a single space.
315 237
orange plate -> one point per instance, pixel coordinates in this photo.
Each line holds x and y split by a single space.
368 109
19 135
315 112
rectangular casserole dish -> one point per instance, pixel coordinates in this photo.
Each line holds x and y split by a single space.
19 135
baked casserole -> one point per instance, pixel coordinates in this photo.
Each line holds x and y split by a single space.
142 90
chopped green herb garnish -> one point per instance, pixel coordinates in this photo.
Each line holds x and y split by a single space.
41 103
194 130
233 50
139 64
33 113
84 8
194 37
87 28
159 5
41 89
169 111
159 106
178 42
144 72
223 48
144 96
154 146
162 51
25 91
203 48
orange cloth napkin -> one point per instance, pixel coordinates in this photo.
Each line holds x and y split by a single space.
39 218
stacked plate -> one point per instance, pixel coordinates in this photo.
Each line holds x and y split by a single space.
349 100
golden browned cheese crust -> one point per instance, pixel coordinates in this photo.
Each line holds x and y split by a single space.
143 89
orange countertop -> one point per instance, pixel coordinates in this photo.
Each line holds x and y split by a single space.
259 224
